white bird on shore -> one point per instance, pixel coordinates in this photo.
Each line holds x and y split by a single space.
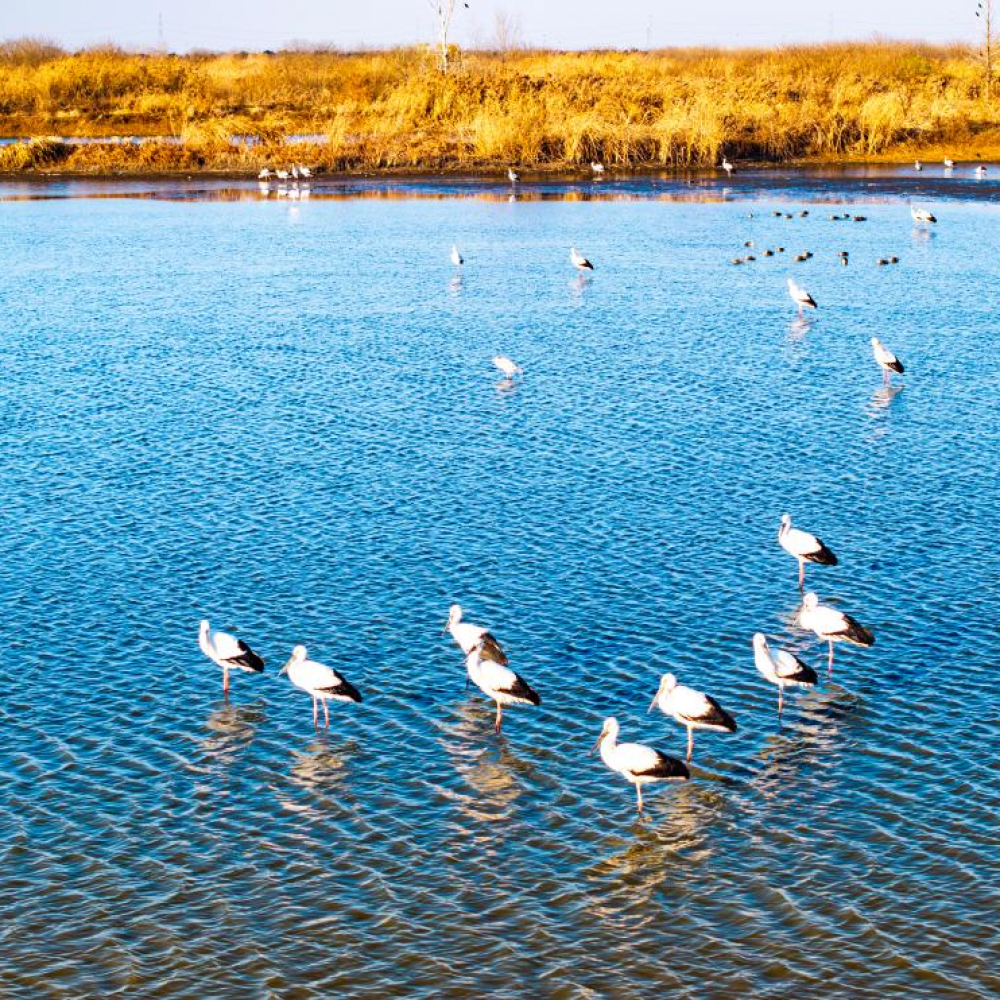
473 637
727 166
304 172
264 175
228 652
921 215
507 366
319 681
295 172
918 165
598 168
579 261
832 626
282 175
980 171
513 175
887 361
804 547
781 668
691 708
456 257
497 681
636 762
948 164
800 296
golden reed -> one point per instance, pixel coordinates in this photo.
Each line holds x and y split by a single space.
392 109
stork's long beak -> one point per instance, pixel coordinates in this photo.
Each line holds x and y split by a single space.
653 702
446 624
597 744
284 668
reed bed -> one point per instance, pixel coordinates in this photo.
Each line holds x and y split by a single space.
543 110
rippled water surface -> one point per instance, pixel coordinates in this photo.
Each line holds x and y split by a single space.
282 416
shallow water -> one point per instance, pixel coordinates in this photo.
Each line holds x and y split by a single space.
283 417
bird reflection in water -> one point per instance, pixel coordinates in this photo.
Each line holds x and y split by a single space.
882 399
485 762
799 327
579 285
455 286
231 728
506 386
678 823
323 765
813 735
878 409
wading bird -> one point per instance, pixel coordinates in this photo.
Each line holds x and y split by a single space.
948 164
800 296
498 682
727 166
319 681
598 168
637 763
456 257
921 215
507 366
805 547
473 637
691 709
304 172
887 361
228 652
918 165
579 261
832 626
781 668
264 175
282 175
513 175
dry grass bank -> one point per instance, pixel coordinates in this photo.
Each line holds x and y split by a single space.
394 110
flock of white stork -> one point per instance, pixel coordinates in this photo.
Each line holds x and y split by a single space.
487 667
486 663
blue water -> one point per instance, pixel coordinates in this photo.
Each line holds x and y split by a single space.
283 417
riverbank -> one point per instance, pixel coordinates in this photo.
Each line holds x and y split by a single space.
543 111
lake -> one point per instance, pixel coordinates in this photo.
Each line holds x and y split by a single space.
280 414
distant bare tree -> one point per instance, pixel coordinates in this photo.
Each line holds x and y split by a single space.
984 11
444 11
506 32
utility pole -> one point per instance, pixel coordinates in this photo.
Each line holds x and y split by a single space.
984 11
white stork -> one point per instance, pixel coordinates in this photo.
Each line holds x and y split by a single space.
598 168
497 681
470 637
800 296
636 762
228 652
921 215
456 257
804 547
507 366
579 261
781 668
886 360
319 681
727 166
832 626
513 175
691 709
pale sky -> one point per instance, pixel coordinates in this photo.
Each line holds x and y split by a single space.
259 24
